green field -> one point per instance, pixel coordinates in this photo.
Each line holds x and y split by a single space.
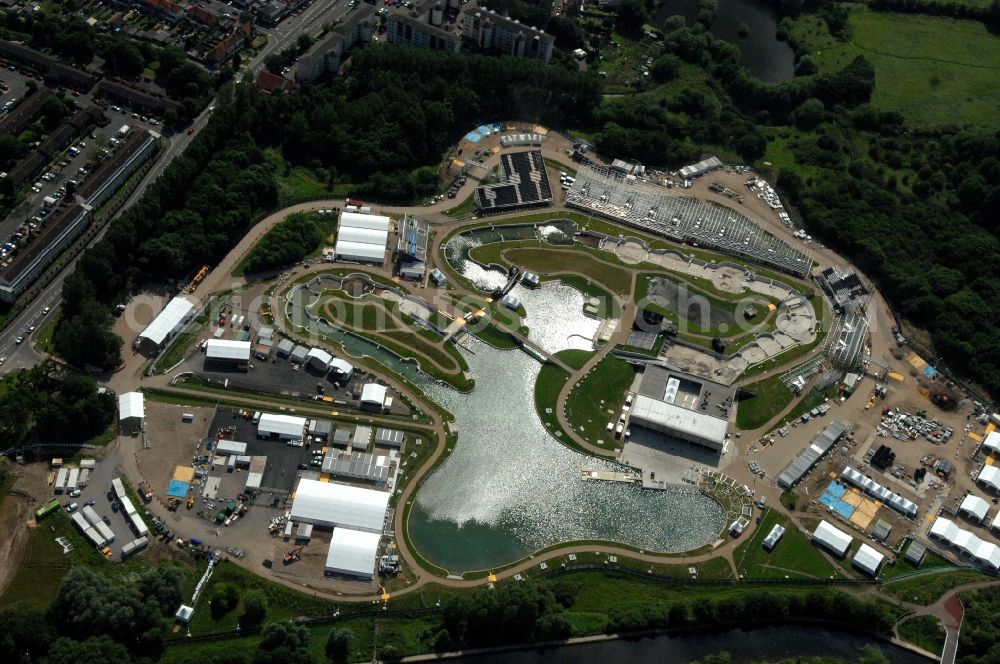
299 184
793 557
554 261
932 70
771 398
596 400
549 383
928 588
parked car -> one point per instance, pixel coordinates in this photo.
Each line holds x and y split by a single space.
74 493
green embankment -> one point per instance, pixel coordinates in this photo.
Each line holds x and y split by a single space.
597 399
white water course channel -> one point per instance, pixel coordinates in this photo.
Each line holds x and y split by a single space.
509 488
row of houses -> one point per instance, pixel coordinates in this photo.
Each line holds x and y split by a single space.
425 25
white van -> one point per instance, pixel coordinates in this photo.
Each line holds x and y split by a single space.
71 507
187 417
256 417
619 429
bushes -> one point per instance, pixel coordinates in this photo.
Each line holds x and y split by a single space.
290 241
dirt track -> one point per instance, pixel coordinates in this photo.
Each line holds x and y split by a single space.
15 512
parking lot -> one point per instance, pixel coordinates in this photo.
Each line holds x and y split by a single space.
282 377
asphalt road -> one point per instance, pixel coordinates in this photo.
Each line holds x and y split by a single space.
19 356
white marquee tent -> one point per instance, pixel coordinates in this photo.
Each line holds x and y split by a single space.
353 553
340 506
362 237
832 538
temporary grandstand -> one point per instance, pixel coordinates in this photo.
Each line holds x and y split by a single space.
807 458
680 218
521 140
890 498
523 184
966 543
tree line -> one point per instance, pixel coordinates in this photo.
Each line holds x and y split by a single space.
288 242
37 404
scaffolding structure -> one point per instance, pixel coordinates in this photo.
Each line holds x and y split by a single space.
680 218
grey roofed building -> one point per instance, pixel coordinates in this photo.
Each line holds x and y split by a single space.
915 553
265 332
807 458
412 271
285 347
358 466
389 438
320 429
299 354
362 438
882 529
702 167
438 277
342 437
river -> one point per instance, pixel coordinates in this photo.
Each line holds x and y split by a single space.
769 644
761 53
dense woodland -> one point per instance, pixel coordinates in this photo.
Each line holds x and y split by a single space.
38 405
290 241
386 126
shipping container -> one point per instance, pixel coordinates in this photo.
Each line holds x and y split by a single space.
61 478
73 480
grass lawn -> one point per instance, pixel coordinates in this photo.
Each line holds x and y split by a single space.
547 387
299 184
44 337
555 261
36 583
596 400
902 567
575 358
932 70
462 209
924 632
771 398
794 556
928 589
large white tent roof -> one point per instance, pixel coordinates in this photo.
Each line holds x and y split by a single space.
975 506
168 320
340 506
362 236
374 222
992 442
832 538
362 250
343 366
352 552
868 560
944 529
283 425
227 349
131 404
990 475
319 356
373 393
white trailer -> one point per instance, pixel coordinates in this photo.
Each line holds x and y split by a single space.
84 478
73 480
105 531
118 487
91 515
95 537
61 478
89 464
127 505
140 526
80 521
